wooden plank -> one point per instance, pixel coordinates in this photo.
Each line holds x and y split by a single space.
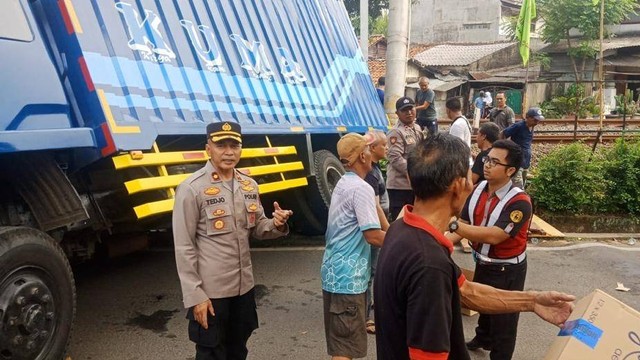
548 231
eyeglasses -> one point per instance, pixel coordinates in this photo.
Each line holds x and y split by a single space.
491 162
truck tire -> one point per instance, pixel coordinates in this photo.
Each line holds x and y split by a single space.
304 219
328 170
37 296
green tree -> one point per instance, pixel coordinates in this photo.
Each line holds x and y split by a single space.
561 16
376 8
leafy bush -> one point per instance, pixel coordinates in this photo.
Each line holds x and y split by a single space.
566 181
570 179
621 168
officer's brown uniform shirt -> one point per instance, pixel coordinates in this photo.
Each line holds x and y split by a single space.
402 139
211 226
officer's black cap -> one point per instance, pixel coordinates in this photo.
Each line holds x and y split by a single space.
224 130
404 102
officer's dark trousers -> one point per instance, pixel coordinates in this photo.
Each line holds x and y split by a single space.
228 332
397 200
500 330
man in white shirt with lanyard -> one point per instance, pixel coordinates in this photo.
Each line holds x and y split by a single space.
460 127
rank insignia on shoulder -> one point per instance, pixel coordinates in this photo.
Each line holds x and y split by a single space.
219 212
219 224
516 216
253 207
248 188
212 191
393 140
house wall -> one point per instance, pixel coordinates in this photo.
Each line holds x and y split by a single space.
499 59
459 21
537 93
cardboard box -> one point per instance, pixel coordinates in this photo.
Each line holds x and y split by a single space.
600 327
469 275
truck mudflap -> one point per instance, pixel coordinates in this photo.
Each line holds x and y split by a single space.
272 174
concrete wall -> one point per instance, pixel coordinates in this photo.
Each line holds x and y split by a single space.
499 59
459 21
537 93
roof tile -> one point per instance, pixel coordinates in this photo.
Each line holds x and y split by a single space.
458 55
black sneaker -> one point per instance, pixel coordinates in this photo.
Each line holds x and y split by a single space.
475 344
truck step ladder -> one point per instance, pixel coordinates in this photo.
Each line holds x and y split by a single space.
166 182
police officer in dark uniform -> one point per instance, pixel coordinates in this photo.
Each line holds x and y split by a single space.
216 209
496 219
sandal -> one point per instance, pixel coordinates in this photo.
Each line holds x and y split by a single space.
371 327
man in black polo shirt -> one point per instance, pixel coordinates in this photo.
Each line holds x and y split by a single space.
419 289
487 135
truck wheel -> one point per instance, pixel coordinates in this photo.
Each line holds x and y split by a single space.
304 219
328 170
37 295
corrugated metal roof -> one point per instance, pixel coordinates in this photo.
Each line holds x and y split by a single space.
627 61
457 55
448 86
607 44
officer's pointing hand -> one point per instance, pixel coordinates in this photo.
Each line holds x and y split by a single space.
200 313
280 216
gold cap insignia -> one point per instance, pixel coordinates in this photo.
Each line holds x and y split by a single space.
212 190
219 212
226 127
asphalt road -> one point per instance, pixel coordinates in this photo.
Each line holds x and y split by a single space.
131 308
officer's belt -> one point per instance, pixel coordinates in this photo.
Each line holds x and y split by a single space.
485 260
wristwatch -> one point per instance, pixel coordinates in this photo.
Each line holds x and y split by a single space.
453 226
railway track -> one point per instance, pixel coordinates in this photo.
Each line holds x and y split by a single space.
554 131
609 122
567 137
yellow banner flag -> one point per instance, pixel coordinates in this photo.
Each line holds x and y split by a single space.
523 28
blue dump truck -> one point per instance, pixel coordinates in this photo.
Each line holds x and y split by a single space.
103 109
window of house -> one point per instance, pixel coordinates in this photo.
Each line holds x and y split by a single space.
13 21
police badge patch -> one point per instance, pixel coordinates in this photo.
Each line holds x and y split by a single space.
516 216
392 140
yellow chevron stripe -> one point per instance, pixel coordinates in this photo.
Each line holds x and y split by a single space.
73 16
115 128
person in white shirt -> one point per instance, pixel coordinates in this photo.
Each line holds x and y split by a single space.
460 127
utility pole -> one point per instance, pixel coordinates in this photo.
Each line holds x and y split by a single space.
364 29
397 43
601 67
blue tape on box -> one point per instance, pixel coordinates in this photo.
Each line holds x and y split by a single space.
582 330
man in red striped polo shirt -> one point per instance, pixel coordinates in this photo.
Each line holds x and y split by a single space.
496 219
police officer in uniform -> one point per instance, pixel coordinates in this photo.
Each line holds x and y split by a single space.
216 209
402 138
496 219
